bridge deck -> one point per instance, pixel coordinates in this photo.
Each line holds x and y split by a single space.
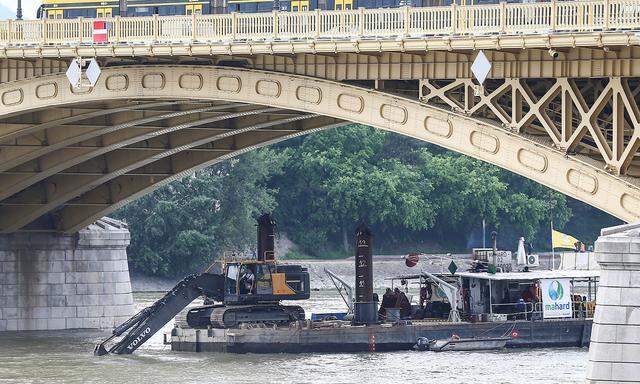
491 26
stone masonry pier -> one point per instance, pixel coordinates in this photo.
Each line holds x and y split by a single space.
614 352
53 281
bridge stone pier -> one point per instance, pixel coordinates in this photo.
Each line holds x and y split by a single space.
55 281
614 352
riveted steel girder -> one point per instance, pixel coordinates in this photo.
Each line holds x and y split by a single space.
66 156
60 188
520 124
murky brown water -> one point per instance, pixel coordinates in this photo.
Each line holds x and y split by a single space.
66 357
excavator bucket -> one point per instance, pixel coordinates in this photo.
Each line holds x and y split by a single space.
100 350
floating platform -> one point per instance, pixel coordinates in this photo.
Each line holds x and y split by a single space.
342 337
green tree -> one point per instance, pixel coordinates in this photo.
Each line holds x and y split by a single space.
181 227
413 195
245 195
336 178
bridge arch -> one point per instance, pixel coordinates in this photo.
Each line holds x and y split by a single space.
26 195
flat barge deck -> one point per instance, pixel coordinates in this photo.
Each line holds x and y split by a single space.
341 337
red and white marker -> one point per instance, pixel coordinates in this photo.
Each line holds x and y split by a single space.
100 32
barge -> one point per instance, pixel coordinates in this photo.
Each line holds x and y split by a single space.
502 316
531 308
500 296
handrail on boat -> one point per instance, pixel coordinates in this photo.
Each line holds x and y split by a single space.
581 309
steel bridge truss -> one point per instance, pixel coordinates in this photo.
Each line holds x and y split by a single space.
597 118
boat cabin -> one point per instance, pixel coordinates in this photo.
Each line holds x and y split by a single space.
533 295
501 296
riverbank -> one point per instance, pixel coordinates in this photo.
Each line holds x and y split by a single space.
384 266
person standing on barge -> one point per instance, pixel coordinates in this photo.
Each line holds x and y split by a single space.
403 303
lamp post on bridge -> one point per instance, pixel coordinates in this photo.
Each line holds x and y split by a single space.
19 10
122 4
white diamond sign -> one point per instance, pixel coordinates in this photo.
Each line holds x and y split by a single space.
481 67
93 72
74 73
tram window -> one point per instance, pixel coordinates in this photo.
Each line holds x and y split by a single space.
294 8
347 6
338 7
169 11
142 11
265 7
75 13
248 7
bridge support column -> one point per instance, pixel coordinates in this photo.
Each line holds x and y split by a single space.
614 352
53 281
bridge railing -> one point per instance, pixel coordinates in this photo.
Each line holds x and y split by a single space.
405 22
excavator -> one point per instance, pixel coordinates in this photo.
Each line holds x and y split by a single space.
240 292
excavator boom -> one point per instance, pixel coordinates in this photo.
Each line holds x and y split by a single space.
150 320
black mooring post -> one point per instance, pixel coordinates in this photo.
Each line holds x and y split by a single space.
366 311
266 238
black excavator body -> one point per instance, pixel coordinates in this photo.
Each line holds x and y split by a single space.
243 292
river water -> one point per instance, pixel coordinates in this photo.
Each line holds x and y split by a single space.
66 357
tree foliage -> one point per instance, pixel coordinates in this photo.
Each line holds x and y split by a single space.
407 191
319 187
181 227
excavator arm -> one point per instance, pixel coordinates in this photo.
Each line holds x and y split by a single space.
150 320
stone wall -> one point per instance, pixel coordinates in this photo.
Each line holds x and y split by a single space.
614 352
53 281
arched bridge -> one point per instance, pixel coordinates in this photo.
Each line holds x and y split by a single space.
560 105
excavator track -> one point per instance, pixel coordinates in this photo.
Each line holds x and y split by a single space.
234 316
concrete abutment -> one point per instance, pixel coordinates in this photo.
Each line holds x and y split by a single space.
614 352
54 281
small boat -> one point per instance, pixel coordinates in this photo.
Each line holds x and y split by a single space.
455 343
